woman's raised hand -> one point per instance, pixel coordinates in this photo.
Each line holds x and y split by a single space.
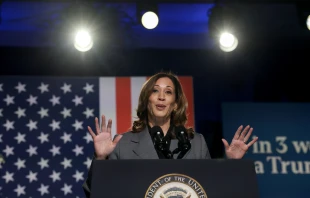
103 142
239 144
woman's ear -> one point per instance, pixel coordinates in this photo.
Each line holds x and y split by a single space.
175 107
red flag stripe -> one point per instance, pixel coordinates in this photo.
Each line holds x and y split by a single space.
187 85
123 104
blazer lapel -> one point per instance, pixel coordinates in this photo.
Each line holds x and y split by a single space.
188 155
144 145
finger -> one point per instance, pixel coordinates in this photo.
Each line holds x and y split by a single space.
252 142
109 126
103 123
225 144
237 134
117 139
91 132
246 138
97 125
245 130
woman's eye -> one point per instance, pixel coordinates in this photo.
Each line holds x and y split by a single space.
169 92
155 90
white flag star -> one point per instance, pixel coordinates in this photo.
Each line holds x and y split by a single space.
66 88
9 125
20 112
8 150
32 100
43 137
55 150
32 150
55 125
20 190
20 87
88 88
43 112
20 163
1 112
78 125
55 176
88 138
32 125
78 150
43 163
67 189
1 89
43 88
66 112
66 163
8 177
43 189
66 137
32 176
1 138
9 100
20 137
55 100
77 100
87 162
78 176
89 112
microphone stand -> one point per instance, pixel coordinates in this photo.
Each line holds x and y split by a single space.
184 144
160 143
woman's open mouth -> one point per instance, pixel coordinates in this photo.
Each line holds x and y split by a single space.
160 107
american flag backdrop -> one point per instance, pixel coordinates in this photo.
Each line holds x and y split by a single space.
44 144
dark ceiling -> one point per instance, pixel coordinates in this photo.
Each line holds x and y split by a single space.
183 24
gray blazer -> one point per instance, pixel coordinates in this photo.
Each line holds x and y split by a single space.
140 146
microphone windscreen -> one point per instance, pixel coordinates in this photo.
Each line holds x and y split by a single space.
179 129
184 144
155 130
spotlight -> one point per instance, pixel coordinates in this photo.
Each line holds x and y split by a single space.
303 10
83 41
149 20
221 19
228 42
148 14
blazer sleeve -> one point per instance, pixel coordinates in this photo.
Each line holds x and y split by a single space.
204 148
87 183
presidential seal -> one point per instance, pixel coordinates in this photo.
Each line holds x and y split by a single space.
175 186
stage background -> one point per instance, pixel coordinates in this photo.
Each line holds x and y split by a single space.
270 64
281 154
43 128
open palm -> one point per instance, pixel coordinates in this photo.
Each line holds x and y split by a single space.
103 143
239 146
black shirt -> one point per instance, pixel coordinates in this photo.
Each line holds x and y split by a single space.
167 138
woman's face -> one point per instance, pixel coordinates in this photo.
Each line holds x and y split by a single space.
162 99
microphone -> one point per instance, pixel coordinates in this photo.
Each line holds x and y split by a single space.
158 137
184 144
159 141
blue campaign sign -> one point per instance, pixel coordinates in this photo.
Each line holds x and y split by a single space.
282 152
